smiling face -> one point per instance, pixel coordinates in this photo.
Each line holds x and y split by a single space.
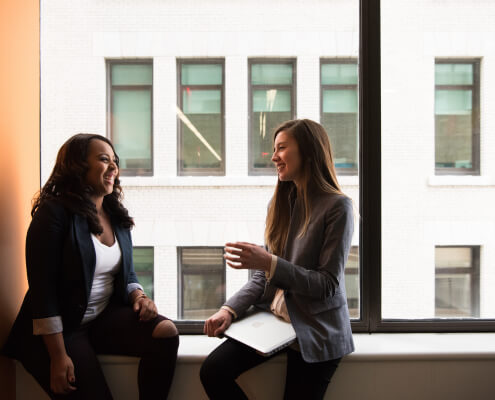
102 168
287 158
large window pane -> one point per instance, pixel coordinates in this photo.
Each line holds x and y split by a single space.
436 211
186 92
131 110
271 103
201 118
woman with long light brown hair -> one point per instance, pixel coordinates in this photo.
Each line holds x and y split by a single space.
300 278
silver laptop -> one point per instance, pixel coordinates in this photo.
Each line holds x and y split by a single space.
262 331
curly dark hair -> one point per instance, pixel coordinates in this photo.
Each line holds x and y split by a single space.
67 185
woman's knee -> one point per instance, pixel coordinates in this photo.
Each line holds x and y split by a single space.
165 329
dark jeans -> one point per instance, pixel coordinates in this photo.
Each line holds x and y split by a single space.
303 380
116 331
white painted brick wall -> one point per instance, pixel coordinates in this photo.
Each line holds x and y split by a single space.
419 209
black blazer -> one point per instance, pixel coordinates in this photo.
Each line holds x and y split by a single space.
60 261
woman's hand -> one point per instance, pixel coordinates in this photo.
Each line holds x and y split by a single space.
143 305
218 323
242 255
62 375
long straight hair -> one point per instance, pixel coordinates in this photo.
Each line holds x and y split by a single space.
318 176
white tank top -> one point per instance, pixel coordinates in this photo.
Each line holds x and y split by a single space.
108 259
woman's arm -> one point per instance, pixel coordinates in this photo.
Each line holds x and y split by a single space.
323 280
62 375
44 257
315 281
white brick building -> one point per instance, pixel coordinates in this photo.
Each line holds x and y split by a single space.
421 210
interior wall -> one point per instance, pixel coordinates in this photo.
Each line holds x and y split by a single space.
19 158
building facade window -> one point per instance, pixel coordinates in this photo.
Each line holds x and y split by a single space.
272 88
130 121
201 117
457 281
202 282
144 266
457 116
352 280
339 111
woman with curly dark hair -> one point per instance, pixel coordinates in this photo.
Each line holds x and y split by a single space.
84 298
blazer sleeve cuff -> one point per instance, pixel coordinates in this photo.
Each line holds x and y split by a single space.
47 326
230 310
131 287
273 267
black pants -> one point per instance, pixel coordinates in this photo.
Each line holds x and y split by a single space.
303 380
116 331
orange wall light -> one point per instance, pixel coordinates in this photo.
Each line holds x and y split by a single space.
19 157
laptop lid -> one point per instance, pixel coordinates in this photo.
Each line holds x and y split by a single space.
262 331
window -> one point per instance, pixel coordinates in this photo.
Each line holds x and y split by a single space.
352 282
143 265
271 102
201 117
131 114
339 111
428 100
457 282
457 117
253 84
202 282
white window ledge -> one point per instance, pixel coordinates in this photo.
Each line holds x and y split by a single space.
215 181
375 347
446 366
460 180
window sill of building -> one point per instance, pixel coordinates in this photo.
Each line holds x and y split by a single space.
374 347
444 365
214 181
460 180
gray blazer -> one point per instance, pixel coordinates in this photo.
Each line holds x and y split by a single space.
311 273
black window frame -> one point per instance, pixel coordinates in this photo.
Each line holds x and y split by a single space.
323 87
370 188
110 89
180 286
475 116
252 171
220 171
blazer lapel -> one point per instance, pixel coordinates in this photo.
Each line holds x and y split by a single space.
86 250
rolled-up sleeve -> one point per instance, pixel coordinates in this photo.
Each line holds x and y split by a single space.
47 326
131 287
